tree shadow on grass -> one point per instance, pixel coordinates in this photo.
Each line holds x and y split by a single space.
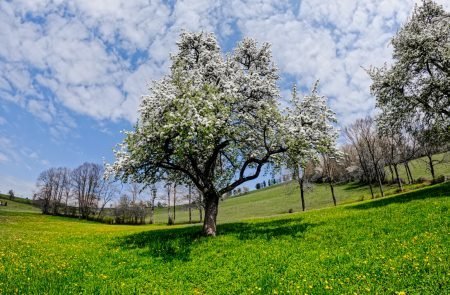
435 191
176 243
355 185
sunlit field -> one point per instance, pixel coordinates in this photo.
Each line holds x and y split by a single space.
280 198
386 246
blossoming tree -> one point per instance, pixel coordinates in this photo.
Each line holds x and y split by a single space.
417 86
309 133
213 120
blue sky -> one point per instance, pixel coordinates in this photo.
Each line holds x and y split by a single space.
72 73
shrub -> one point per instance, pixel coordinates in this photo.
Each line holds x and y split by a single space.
291 210
421 180
440 179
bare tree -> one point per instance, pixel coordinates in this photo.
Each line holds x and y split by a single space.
352 133
107 192
61 188
390 142
431 140
363 135
330 170
87 183
303 174
51 184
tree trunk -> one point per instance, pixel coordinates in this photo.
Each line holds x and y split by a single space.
332 192
371 189
366 172
430 162
399 181
379 181
406 170
169 217
200 205
302 192
152 211
189 200
211 199
369 176
174 201
409 172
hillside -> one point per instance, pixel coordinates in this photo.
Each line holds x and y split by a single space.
386 246
280 198
17 205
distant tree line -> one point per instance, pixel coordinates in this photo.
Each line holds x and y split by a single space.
84 193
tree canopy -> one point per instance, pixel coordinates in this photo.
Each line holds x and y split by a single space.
417 84
214 121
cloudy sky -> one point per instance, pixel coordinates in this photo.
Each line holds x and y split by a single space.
72 73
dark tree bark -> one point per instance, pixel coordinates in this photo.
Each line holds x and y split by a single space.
431 164
408 171
211 199
200 206
367 174
380 183
302 192
332 192
399 181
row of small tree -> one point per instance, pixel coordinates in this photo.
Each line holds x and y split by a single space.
79 192
84 192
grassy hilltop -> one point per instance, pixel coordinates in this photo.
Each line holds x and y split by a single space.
386 246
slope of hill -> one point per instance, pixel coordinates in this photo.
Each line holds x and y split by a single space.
280 198
395 245
17 205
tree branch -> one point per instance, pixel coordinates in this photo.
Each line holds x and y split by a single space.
249 161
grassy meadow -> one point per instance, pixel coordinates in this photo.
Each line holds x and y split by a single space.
394 245
280 198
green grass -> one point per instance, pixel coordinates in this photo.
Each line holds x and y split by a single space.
420 168
386 246
280 198
16 199
14 206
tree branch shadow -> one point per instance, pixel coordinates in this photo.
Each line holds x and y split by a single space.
177 243
435 191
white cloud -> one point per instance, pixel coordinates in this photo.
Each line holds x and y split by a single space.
330 41
8 149
40 110
95 61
